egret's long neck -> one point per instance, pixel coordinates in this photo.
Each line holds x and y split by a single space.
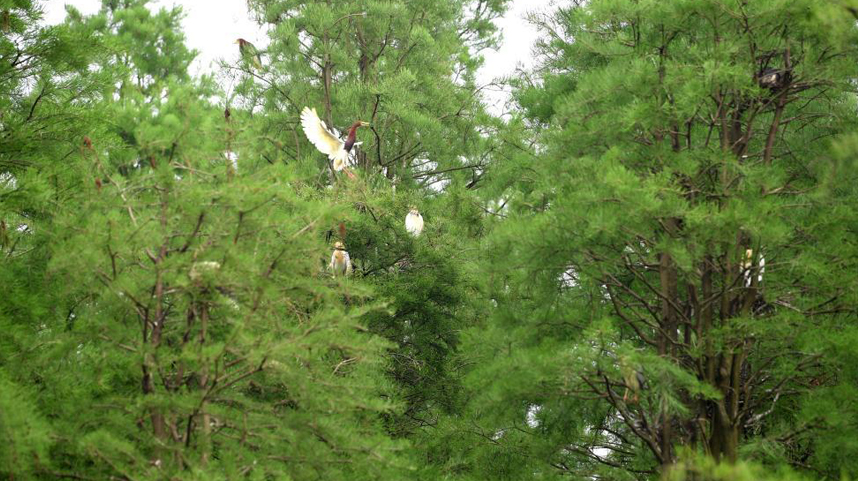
353 132
350 140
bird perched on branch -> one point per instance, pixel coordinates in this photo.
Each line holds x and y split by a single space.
414 222
774 79
326 140
633 379
249 53
341 263
748 267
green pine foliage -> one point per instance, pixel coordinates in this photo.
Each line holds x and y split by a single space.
646 270
683 217
407 68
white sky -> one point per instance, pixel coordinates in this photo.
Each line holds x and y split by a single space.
211 27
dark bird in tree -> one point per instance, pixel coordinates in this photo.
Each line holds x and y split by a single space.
328 141
227 114
249 53
773 79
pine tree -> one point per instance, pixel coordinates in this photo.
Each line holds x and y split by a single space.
646 271
671 272
179 322
408 68
47 95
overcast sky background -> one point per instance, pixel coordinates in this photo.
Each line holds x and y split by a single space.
211 27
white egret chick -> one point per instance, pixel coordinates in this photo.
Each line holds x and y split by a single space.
414 222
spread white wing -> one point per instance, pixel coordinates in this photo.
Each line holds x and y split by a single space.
323 138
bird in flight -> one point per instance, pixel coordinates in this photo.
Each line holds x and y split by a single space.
326 140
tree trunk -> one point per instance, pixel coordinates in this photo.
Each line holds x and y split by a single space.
666 342
724 440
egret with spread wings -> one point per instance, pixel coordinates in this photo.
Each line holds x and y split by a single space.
326 140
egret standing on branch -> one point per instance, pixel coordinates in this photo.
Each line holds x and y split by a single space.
341 264
249 53
328 141
414 222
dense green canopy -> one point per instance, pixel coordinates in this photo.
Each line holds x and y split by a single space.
646 269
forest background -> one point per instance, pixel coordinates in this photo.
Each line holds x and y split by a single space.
645 267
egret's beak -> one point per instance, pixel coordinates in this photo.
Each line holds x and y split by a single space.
364 124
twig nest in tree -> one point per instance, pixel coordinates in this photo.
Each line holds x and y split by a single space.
773 79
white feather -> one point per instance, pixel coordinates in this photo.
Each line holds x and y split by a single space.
414 223
324 139
340 161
